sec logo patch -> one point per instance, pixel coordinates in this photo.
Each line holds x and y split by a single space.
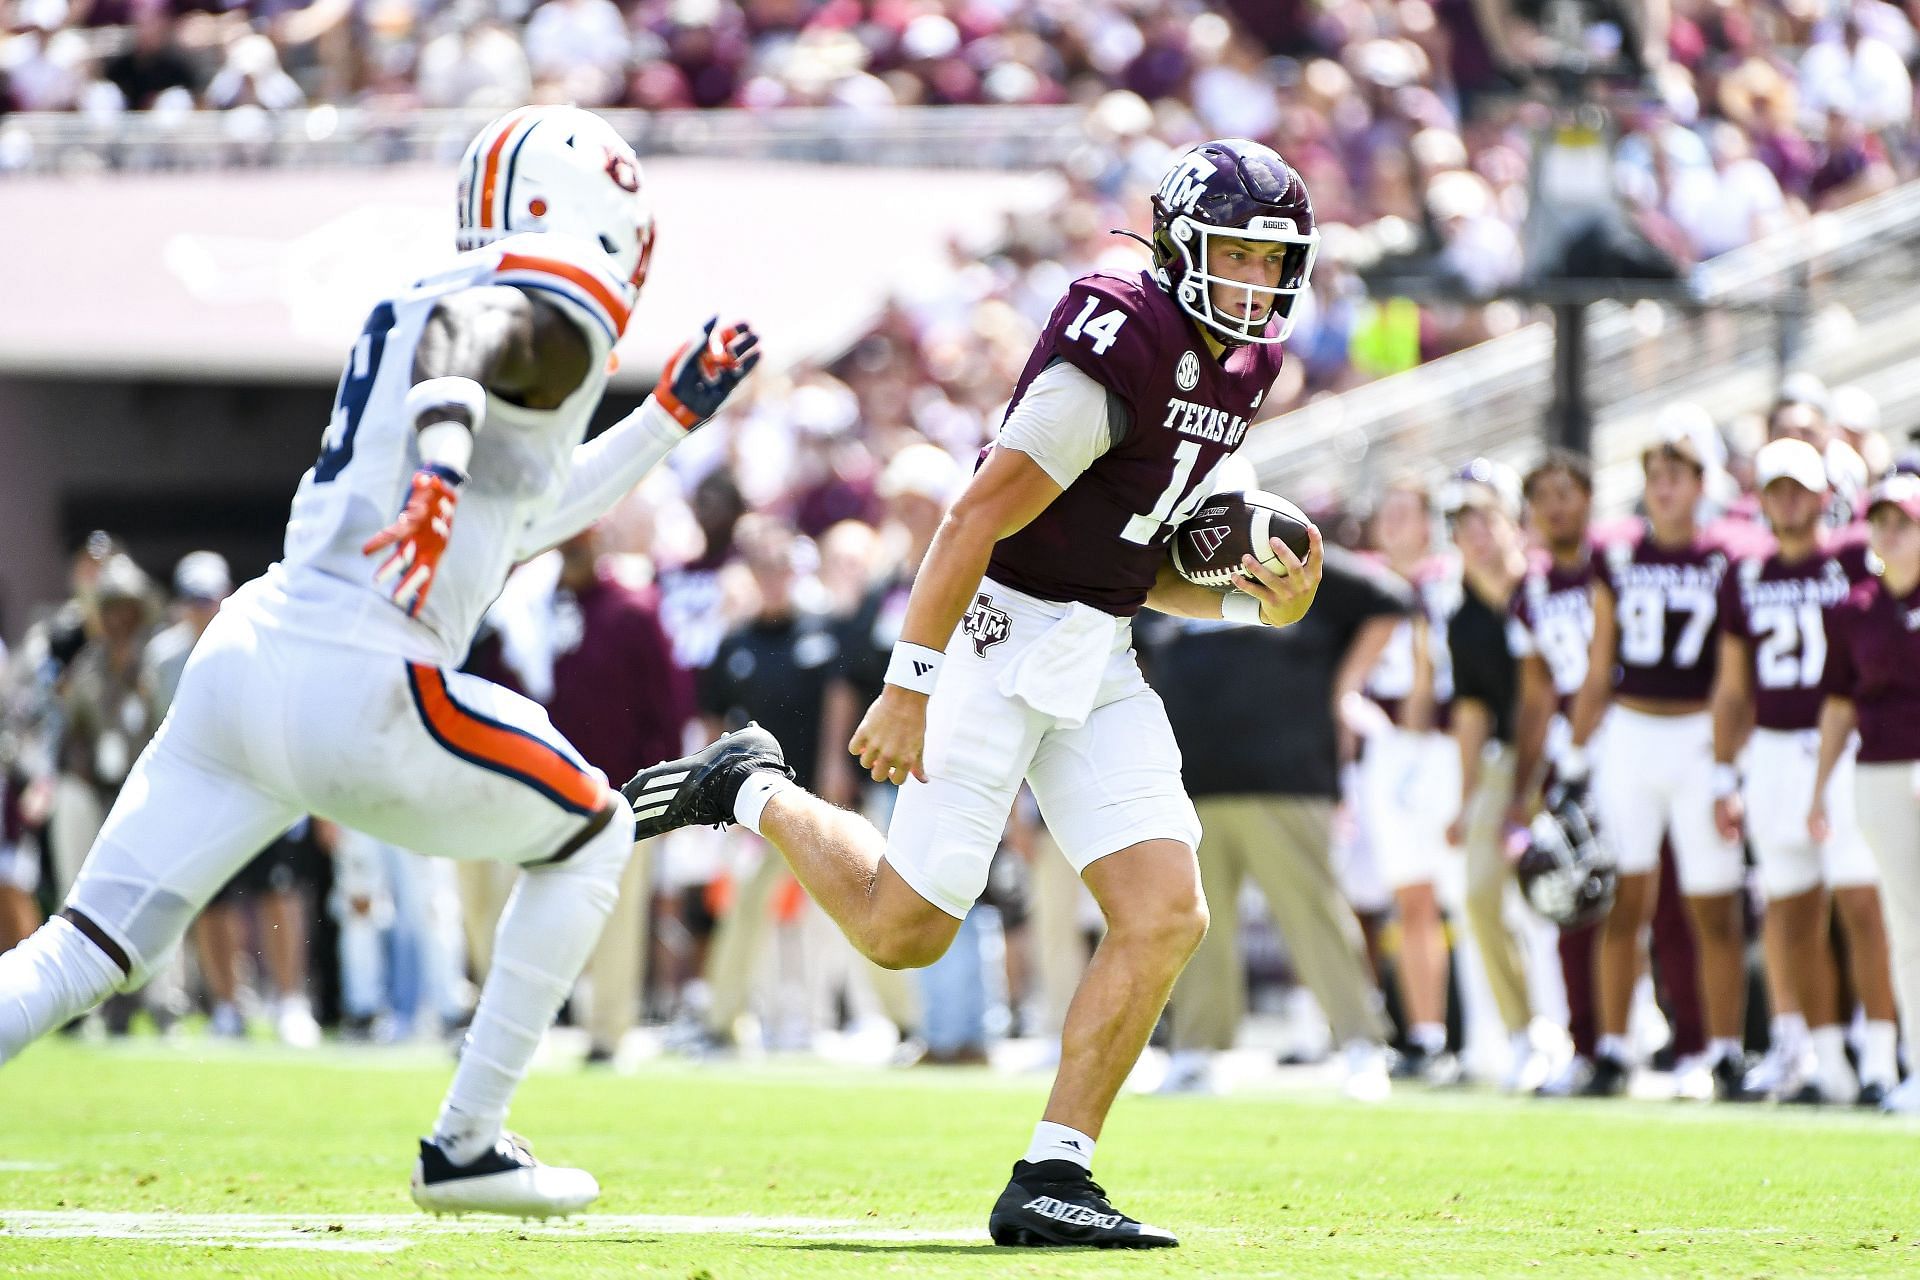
1187 372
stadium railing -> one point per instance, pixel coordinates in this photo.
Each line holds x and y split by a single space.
946 137
1836 296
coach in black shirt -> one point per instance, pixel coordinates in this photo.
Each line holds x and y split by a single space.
1253 711
1482 507
772 668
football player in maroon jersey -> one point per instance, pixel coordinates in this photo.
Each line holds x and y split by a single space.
1872 685
1655 600
1015 659
1766 699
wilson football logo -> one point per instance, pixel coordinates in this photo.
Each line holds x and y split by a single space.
1207 541
987 625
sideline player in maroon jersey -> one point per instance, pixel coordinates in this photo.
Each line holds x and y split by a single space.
1139 388
1654 604
1773 649
1872 685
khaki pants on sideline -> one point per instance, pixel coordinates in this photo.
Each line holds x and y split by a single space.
1487 878
1285 844
740 937
1060 946
484 887
1890 819
615 965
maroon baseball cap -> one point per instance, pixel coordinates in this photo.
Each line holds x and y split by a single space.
1901 490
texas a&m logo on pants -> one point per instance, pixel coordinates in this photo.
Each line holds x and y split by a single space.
986 625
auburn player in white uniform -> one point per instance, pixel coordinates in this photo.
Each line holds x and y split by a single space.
327 686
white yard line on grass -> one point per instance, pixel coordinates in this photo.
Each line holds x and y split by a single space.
391 1232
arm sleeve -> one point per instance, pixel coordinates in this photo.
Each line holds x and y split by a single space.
603 471
1064 422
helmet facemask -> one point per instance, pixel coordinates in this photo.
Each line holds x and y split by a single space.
1193 243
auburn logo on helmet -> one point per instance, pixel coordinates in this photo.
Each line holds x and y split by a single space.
624 172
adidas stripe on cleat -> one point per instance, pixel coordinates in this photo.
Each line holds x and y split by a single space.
699 790
1056 1203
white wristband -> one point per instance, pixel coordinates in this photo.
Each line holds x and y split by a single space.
447 444
914 666
1238 606
1726 780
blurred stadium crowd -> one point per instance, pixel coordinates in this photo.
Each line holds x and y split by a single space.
1407 124
744 581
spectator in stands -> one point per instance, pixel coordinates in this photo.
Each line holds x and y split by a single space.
1857 74
155 63
577 50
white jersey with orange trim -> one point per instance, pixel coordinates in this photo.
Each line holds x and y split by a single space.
522 463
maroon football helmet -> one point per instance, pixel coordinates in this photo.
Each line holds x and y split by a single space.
1233 188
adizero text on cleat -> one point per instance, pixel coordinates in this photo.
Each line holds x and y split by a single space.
698 790
1056 1203
504 1180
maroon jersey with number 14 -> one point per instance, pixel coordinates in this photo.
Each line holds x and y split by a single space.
1177 412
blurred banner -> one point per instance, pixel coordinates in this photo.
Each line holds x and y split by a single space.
268 275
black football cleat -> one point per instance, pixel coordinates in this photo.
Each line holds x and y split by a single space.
1608 1079
1057 1204
1730 1082
1871 1095
698 790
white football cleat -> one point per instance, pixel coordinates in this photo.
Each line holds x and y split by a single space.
1903 1098
505 1180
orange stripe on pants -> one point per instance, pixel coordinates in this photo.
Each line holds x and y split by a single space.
503 748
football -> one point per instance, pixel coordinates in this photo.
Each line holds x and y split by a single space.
1208 546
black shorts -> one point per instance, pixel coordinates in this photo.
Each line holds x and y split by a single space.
283 866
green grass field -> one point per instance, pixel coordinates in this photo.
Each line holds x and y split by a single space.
152 1161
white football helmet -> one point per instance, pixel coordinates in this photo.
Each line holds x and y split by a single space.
558 169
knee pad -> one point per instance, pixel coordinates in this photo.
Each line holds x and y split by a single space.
144 917
597 865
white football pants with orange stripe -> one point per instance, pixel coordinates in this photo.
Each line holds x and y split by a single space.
269 726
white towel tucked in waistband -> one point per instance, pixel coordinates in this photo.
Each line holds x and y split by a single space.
1059 674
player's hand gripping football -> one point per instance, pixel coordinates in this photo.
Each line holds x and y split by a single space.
703 371
418 538
892 736
1284 595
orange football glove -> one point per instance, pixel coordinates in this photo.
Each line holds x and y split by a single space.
702 372
418 538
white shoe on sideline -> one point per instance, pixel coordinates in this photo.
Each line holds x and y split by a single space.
293 1023
1903 1098
1189 1071
505 1180
1367 1078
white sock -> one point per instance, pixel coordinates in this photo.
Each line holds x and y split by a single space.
1724 1048
1615 1047
1830 1055
1057 1142
549 928
1880 1054
1788 1032
1428 1037
47 981
754 793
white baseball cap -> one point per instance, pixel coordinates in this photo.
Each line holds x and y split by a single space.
1789 459
202 575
